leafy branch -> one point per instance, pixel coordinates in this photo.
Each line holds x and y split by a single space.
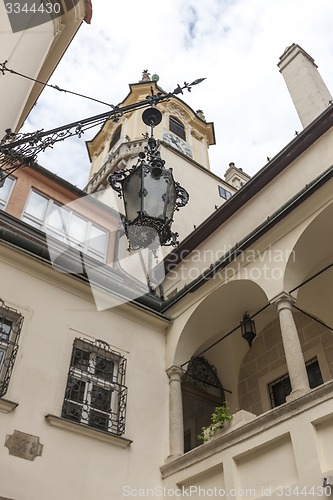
220 415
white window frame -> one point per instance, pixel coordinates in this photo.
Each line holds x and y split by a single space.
63 235
4 202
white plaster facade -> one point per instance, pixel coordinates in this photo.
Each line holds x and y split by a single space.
267 251
74 465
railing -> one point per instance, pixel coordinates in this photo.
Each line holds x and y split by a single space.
278 453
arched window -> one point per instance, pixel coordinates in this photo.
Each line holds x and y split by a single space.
202 392
115 137
177 127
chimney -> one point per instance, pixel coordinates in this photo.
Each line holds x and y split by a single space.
306 87
235 176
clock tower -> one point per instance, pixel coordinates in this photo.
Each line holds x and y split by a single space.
184 137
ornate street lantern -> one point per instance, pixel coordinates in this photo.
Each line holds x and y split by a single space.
150 194
248 329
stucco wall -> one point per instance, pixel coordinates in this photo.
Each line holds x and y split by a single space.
57 309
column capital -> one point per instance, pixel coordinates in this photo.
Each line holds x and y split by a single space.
175 372
283 300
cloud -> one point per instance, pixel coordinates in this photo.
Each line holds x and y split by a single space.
235 44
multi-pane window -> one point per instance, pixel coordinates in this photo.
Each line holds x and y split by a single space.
10 328
95 393
281 388
5 191
65 225
177 127
224 193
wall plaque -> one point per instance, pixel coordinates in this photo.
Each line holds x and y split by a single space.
23 445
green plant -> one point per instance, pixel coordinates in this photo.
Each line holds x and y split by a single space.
220 415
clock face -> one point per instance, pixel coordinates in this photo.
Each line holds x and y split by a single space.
177 143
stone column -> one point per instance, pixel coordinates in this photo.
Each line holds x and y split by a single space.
176 424
292 347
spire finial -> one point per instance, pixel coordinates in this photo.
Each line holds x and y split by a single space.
145 76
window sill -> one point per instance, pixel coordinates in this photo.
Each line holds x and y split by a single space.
84 430
7 406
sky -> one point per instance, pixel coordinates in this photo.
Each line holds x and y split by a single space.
235 44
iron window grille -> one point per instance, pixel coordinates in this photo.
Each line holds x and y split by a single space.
177 128
95 392
281 388
10 328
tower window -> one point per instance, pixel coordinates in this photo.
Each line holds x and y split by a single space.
224 193
115 137
177 127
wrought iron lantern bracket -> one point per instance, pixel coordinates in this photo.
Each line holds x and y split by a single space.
150 192
22 149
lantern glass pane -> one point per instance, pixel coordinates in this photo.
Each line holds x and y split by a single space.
154 199
132 194
171 199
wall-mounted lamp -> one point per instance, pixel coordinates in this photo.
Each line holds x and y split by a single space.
248 329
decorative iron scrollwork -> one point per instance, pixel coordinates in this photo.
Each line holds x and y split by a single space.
182 197
20 150
116 180
146 227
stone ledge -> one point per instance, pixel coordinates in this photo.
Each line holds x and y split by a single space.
86 431
7 406
239 419
261 423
